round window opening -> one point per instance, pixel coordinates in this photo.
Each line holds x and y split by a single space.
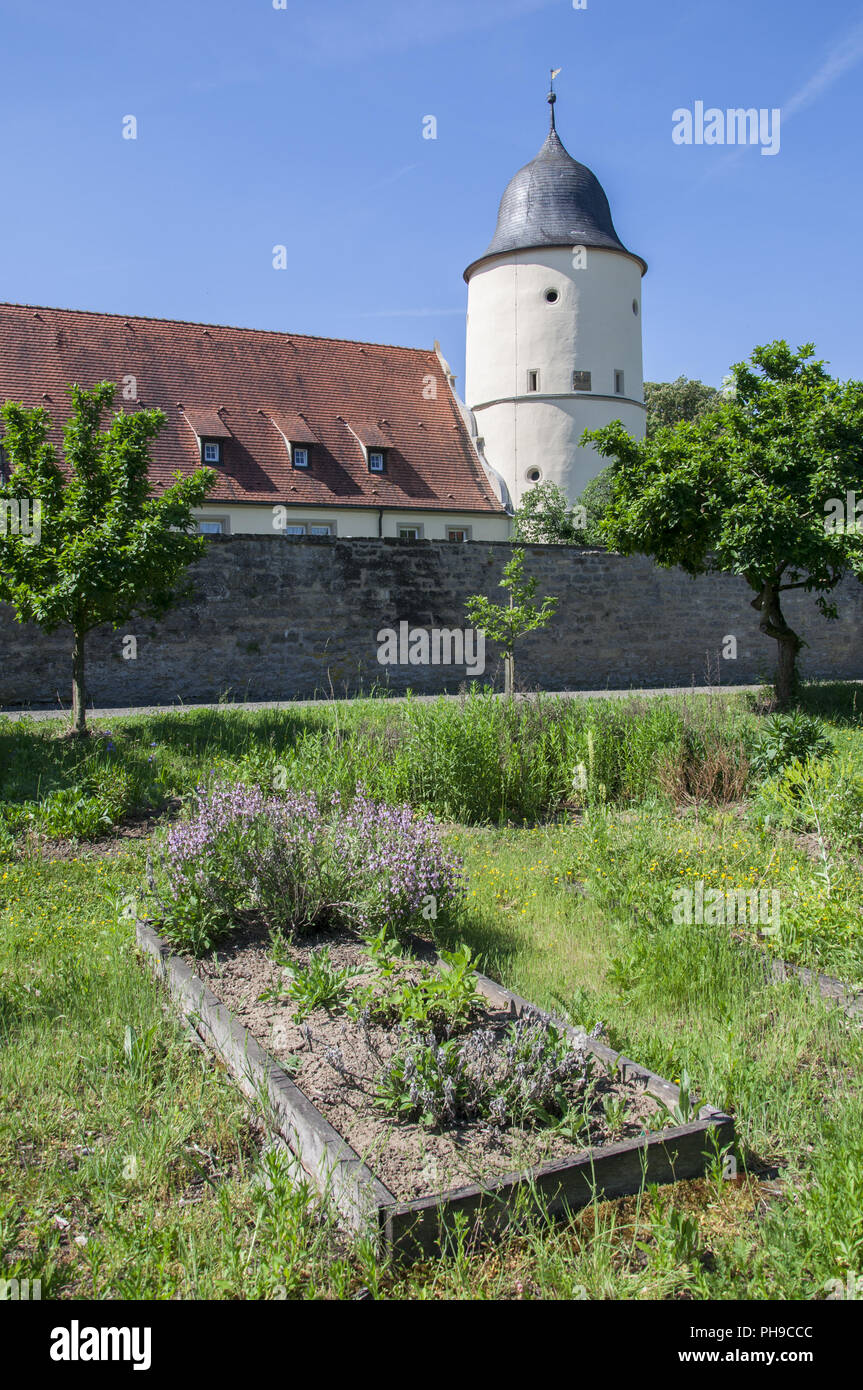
635 306
533 475
552 296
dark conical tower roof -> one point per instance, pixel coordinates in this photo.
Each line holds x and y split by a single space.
553 201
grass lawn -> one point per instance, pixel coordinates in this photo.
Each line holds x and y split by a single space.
129 1166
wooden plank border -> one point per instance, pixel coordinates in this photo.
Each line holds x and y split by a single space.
415 1228
328 1158
831 990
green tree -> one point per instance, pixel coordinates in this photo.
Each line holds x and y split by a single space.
668 403
748 488
594 502
505 623
671 402
546 518
106 548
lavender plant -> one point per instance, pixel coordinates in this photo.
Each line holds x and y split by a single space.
294 865
427 1081
399 858
531 1075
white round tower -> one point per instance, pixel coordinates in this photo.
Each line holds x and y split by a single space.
553 326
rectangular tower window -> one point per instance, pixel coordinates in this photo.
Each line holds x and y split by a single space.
533 379
618 383
581 381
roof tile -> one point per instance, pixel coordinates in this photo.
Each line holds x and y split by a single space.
255 377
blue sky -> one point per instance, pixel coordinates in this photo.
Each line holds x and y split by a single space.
303 126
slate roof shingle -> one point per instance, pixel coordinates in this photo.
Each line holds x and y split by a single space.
553 201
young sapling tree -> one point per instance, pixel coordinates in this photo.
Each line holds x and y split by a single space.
107 548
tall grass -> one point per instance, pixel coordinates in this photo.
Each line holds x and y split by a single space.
484 760
477 759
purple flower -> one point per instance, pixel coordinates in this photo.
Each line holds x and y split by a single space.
296 862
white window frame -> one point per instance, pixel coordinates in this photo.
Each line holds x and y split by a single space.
322 528
467 534
410 526
376 454
300 449
294 528
211 444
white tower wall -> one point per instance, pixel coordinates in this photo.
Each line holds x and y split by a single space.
512 329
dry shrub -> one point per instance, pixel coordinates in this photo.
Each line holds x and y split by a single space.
715 776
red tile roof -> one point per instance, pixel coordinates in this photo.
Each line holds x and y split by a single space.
249 380
294 428
207 424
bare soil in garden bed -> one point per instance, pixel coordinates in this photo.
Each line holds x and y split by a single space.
411 1159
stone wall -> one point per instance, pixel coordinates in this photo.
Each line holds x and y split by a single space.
273 619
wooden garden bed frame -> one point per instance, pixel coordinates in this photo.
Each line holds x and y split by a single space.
412 1229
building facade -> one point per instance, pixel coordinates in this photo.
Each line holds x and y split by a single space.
553 327
305 436
325 437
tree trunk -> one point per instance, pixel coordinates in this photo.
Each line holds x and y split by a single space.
773 624
509 659
79 714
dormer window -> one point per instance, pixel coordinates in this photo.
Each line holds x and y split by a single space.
211 433
375 444
298 435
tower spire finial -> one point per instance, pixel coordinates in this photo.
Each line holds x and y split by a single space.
552 98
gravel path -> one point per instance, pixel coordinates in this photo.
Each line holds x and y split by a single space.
116 713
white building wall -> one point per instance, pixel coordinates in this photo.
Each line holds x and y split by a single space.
512 329
356 521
